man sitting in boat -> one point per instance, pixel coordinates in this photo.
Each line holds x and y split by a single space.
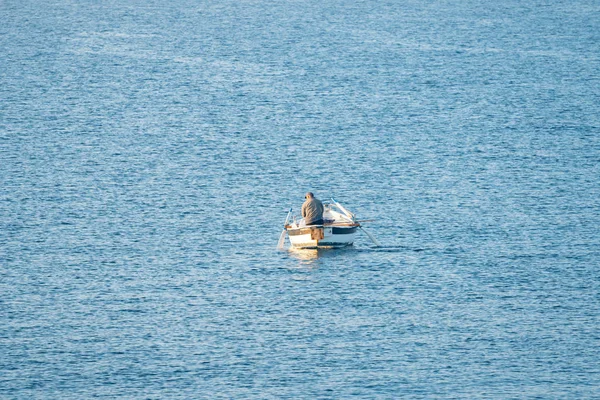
312 210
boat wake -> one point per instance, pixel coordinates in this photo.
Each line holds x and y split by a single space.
389 249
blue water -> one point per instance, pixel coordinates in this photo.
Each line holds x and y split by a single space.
149 152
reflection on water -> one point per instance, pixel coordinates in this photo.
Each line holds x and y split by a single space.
313 257
307 257
305 254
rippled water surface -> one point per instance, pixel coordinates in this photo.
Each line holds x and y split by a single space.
149 152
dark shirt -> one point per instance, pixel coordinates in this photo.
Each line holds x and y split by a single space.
312 211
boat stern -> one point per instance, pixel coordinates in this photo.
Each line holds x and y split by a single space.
316 237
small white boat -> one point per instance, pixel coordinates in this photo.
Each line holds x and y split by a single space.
338 230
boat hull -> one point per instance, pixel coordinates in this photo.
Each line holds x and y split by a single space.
322 237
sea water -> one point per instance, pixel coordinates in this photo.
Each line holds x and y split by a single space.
150 150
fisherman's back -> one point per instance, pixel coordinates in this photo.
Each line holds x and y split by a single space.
312 211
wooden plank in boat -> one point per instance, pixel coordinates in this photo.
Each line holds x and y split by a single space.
316 234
